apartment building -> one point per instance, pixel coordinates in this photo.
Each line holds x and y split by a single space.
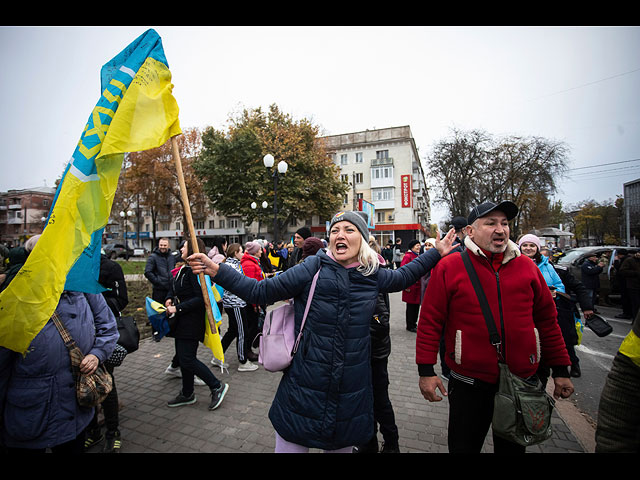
386 180
385 176
23 213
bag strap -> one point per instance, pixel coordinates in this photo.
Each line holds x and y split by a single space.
494 336
64 333
306 309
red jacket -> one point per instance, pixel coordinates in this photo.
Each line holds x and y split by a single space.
411 294
251 267
517 292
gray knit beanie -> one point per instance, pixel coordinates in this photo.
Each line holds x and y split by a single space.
359 219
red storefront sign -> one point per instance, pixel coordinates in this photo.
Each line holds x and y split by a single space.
405 190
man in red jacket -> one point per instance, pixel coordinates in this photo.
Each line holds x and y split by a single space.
525 316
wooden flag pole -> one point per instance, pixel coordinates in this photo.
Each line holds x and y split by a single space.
192 232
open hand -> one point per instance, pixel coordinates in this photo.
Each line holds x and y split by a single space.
445 245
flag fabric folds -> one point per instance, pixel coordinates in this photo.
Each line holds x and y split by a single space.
157 315
136 111
212 339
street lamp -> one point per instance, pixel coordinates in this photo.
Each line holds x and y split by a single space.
254 205
126 215
268 161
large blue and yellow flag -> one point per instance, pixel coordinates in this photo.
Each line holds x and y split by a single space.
137 111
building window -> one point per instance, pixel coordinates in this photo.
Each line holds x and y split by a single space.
381 194
358 177
343 159
382 154
380 217
234 223
212 224
199 224
381 172
177 225
222 224
359 157
344 178
45 202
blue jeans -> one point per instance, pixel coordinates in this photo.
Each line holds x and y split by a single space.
186 351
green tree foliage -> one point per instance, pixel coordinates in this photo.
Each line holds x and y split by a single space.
233 174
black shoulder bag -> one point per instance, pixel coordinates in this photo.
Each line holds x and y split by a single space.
522 408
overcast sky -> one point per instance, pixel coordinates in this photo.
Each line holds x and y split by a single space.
579 85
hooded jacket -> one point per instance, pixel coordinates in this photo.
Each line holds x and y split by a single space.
324 399
517 293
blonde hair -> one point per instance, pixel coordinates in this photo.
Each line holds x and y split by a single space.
368 258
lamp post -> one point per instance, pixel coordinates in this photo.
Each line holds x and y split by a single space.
268 161
126 215
254 205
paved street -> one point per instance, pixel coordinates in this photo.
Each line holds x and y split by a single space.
240 424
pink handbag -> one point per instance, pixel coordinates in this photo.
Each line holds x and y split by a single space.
278 342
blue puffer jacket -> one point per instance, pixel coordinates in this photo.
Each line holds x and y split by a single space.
550 275
324 399
37 392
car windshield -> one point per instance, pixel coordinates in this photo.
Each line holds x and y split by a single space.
571 256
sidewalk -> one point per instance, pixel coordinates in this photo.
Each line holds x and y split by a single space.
241 424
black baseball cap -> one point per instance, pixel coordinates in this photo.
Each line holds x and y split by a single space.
459 222
508 208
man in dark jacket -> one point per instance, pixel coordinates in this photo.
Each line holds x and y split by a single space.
158 270
630 270
298 240
591 269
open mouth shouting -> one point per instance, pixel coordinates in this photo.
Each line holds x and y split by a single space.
344 242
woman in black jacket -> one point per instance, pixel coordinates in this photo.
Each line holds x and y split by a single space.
383 414
324 399
186 302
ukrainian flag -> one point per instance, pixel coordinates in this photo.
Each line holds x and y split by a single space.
136 111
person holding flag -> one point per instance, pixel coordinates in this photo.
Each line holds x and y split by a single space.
185 300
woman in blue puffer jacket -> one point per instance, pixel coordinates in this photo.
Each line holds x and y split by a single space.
324 399
530 246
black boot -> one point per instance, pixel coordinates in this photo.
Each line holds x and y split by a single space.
575 370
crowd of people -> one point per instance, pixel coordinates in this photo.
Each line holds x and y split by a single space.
338 402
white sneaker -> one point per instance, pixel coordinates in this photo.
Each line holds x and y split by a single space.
247 367
173 371
218 363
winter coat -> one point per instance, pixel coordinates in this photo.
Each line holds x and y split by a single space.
251 267
550 275
37 391
379 328
112 278
575 292
412 294
591 274
158 270
187 297
517 294
630 270
324 399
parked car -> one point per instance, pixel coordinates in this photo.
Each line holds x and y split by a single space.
609 289
117 250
